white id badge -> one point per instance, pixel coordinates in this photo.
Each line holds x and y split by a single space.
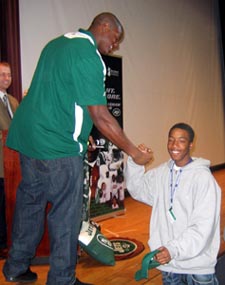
171 215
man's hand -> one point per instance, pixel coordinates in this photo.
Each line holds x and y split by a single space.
142 147
91 144
163 257
143 156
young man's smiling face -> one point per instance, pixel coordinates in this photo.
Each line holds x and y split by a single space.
179 146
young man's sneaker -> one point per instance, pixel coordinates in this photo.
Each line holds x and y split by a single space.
26 277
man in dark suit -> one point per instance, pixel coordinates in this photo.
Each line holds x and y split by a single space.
8 105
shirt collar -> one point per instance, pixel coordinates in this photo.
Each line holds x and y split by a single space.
2 94
89 34
82 34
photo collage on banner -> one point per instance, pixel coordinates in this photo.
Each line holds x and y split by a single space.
106 162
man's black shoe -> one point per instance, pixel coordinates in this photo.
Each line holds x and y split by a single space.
26 277
78 282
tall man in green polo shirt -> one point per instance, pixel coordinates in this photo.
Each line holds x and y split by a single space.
50 131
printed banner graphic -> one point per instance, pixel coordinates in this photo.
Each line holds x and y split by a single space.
107 162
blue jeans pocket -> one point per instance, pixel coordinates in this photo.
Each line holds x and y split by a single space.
207 279
170 278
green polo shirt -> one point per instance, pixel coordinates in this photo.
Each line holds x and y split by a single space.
53 121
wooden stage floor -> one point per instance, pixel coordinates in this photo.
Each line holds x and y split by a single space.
133 224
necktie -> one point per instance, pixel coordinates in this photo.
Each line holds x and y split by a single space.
6 103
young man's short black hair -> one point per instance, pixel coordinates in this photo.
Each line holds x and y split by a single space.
185 127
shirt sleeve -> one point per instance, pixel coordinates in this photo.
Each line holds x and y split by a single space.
89 81
139 184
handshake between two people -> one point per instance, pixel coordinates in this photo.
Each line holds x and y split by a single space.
141 154
146 156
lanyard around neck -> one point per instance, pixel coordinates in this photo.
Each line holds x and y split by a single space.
174 186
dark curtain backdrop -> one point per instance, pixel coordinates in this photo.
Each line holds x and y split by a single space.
222 20
10 43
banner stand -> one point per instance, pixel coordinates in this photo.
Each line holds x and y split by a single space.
107 162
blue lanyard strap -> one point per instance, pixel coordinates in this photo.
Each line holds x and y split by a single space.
173 186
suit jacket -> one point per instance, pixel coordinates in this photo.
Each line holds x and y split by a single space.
5 121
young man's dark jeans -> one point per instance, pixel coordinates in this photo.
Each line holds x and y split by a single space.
170 278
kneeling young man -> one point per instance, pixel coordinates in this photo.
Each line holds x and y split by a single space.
185 219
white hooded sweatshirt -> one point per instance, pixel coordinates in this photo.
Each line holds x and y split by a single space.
191 230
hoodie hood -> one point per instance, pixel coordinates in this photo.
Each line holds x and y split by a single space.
197 162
